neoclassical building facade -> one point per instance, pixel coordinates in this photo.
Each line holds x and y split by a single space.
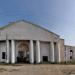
25 42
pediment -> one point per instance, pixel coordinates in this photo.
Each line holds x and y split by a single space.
27 30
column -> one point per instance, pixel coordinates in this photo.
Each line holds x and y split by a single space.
7 51
52 52
31 52
12 51
37 51
58 47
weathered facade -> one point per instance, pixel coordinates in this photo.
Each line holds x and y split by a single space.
69 53
25 42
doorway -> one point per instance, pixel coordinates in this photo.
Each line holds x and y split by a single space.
23 53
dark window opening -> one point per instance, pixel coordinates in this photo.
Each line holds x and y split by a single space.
71 57
71 54
71 51
45 58
3 55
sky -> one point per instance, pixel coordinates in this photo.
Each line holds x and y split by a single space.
55 15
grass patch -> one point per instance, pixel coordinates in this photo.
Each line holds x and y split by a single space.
21 64
71 62
9 64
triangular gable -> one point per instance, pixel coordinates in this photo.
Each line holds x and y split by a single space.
27 29
12 23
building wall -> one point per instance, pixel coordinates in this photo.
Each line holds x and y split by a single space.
2 49
45 50
67 52
25 31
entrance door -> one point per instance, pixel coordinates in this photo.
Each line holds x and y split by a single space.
21 57
23 53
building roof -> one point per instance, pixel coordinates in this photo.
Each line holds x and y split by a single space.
11 23
69 46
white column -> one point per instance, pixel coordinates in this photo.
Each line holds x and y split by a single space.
31 52
7 51
12 51
58 47
52 52
37 51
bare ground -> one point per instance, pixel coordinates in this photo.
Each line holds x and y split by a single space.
41 69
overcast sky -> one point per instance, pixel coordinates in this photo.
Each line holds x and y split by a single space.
56 15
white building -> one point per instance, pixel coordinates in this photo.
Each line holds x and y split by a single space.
69 53
23 41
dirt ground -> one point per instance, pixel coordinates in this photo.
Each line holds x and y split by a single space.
41 69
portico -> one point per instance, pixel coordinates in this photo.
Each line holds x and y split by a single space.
12 55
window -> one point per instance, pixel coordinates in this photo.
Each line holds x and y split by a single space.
71 54
45 58
71 57
71 50
3 55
